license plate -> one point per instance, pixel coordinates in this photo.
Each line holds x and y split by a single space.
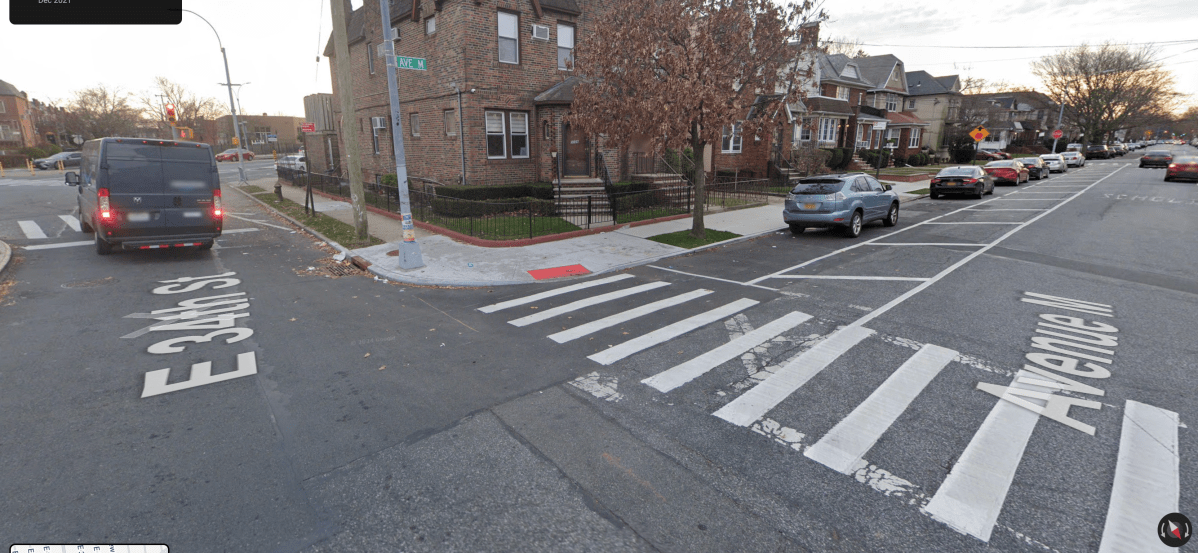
810 206
951 183
138 217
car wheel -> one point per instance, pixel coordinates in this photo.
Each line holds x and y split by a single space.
991 192
853 230
934 195
102 245
83 226
981 191
797 229
891 217
207 245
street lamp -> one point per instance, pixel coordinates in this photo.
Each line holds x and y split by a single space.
229 84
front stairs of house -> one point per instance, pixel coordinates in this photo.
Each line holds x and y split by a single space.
571 197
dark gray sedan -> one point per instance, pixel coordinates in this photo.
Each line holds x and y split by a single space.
68 159
1036 167
964 179
1156 158
846 201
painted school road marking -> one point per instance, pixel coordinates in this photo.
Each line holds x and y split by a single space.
620 351
586 302
31 230
72 222
1147 479
612 320
843 447
549 294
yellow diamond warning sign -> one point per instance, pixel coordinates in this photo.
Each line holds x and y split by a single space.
979 133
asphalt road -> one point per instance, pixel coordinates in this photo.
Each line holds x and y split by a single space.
853 416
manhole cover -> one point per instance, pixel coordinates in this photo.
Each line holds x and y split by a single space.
90 283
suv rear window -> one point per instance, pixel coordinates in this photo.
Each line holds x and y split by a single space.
820 186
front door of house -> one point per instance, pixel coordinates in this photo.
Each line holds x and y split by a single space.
576 154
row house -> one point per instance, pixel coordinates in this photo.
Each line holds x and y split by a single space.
1020 118
936 100
16 121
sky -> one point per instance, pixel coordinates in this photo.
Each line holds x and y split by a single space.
272 45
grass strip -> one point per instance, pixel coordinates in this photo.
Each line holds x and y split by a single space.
337 231
683 238
501 227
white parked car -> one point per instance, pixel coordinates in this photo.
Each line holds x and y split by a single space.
1056 163
295 162
1074 159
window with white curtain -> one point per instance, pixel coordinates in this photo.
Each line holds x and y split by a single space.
496 135
519 126
914 141
509 38
731 143
827 130
565 47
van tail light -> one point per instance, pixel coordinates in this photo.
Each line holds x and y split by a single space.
104 205
217 212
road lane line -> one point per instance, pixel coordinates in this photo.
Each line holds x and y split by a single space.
557 291
685 372
256 222
59 245
978 223
758 401
613 320
1010 209
620 351
712 278
585 302
922 244
834 277
72 222
237 230
1147 479
31 230
972 495
843 447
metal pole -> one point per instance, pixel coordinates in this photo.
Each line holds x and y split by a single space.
1059 117
461 134
409 250
229 85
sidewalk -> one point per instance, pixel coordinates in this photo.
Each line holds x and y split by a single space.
452 263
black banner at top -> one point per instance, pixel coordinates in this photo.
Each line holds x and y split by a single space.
95 12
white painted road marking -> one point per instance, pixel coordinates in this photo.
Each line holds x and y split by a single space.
837 277
586 302
843 447
922 244
613 320
755 403
557 291
72 222
681 374
978 223
972 495
711 277
59 245
1147 480
620 351
201 374
31 230
237 230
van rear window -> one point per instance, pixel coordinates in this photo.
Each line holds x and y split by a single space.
134 151
186 153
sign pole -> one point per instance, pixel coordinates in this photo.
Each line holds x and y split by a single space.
409 250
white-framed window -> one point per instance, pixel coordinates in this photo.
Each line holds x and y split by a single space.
892 134
509 37
414 124
891 102
2 108
827 130
731 143
519 126
565 47
450 117
374 140
370 58
842 92
430 25
914 141
863 135
911 103
802 132
496 135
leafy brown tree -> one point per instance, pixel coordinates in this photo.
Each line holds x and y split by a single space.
101 111
683 71
1108 87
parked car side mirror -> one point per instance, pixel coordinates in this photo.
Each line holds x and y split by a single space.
72 178
887 187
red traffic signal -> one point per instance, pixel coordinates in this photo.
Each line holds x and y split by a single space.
170 113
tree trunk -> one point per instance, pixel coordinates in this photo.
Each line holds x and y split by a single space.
697 146
341 64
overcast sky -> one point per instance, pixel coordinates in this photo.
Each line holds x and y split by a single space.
273 44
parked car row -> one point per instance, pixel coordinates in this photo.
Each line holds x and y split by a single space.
845 201
68 159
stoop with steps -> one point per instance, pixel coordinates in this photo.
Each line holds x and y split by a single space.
571 198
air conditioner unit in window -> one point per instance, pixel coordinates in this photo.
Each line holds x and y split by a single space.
394 33
540 32
378 122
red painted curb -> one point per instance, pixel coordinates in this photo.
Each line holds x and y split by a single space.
509 243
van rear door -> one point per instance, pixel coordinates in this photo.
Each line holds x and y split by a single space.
190 176
160 188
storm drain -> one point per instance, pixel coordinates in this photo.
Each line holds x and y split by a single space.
333 268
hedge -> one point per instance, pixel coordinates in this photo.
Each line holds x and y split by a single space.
837 157
13 162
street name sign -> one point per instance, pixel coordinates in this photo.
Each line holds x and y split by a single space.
404 62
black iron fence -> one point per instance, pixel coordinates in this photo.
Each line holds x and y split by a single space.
528 218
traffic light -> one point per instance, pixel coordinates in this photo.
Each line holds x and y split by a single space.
170 114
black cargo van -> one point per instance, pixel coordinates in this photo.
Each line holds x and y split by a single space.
140 193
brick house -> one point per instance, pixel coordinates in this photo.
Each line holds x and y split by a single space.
499 65
16 121
256 130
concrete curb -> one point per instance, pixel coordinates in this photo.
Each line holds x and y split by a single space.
5 255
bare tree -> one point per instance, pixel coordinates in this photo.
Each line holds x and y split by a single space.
978 85
1108 87
101 111
850 47
683 72
190 109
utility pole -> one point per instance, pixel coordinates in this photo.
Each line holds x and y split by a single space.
409 251
341 63
161 104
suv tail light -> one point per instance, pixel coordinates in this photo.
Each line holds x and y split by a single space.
217 212
104 205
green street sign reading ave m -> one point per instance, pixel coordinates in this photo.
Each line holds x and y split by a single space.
404 62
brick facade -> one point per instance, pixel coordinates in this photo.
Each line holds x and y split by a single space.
15 116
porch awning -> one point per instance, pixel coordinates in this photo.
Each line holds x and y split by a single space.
560 93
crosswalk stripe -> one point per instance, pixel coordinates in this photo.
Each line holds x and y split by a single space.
557 291
613 320
1147 479
640 343
972 495
31 229
843 447
72 222
681 374
586 302
767 394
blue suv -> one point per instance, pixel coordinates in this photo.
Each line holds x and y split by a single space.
846 201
